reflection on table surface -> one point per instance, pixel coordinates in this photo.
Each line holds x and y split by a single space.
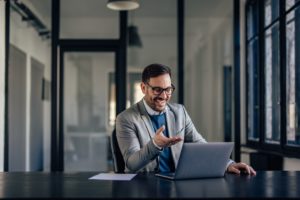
266 184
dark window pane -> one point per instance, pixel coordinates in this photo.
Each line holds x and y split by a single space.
252 19
253 90
290 3
292 77
271 11
272 84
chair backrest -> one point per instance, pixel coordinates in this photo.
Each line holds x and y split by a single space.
119 164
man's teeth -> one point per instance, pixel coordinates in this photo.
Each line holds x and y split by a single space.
160 100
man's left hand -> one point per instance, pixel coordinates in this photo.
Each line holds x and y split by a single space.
238 168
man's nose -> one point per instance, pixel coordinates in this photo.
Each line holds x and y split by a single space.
163 94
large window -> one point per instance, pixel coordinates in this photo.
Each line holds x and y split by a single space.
253 72
273 89
292 76
271 71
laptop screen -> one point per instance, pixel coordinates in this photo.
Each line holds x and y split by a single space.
203 160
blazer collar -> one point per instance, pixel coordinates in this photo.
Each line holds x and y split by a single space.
150 111
146 119
142 108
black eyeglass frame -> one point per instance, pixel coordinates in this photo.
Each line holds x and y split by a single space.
172 87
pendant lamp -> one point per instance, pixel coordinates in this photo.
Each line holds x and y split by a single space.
134 39
122 4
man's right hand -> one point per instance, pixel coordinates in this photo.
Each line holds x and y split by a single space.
162 141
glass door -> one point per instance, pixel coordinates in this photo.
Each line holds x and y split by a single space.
89 104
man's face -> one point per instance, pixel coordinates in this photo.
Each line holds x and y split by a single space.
157 101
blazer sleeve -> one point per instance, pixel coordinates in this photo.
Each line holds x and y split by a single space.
135 157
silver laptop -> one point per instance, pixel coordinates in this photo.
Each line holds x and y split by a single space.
198 160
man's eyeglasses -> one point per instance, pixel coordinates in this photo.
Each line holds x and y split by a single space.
158 90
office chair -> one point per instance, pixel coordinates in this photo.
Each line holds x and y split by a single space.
119 164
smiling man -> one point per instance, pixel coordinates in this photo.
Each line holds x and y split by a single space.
151 132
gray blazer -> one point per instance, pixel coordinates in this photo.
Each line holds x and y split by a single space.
135 132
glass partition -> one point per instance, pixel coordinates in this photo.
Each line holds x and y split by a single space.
152 38
88 19
89 110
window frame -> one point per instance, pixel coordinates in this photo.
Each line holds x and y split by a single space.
262 144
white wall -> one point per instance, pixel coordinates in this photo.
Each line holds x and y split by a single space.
159 39
89 28
2 79
207 52
26 38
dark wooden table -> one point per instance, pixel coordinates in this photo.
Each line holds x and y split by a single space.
266 184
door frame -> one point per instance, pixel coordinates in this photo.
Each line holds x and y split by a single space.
67 46
58 47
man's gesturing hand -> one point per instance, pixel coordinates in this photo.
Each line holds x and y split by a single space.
162 141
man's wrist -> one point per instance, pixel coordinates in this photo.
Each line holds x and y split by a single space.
158 147
228 164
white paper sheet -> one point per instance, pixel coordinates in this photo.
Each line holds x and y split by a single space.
114 177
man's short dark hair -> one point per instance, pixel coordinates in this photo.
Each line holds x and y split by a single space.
155 70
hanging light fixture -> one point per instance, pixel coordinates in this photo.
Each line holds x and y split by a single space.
123 4
134 39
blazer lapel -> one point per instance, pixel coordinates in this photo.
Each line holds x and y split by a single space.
170 122
171 125
175 149
145 117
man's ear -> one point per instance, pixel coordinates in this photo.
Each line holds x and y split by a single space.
143 87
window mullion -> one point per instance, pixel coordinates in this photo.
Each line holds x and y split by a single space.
283 67
261 44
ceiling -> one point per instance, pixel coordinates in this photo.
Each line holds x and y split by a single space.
148 8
